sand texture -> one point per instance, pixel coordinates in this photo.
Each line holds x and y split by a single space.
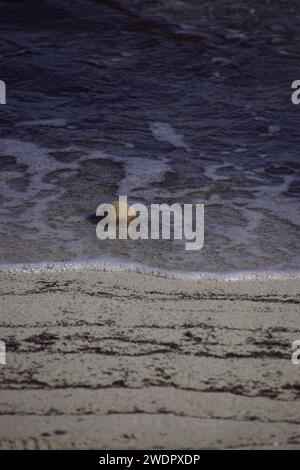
127 361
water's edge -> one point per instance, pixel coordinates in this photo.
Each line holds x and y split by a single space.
110 265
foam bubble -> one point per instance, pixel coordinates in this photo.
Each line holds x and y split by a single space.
164 132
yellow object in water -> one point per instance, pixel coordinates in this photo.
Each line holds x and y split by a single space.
124 212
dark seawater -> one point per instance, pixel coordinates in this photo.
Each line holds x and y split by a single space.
163 101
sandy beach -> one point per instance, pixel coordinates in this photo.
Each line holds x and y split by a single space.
122 360
149 228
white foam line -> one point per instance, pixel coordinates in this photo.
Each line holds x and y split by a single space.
115 266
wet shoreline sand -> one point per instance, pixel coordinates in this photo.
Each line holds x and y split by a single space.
127 361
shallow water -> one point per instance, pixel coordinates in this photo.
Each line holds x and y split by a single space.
162 101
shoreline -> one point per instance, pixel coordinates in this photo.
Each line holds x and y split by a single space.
115 266
123 360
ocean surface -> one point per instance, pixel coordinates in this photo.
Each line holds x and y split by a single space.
164 101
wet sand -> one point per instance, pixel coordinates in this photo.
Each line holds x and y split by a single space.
128 361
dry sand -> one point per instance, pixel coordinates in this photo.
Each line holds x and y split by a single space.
127 361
